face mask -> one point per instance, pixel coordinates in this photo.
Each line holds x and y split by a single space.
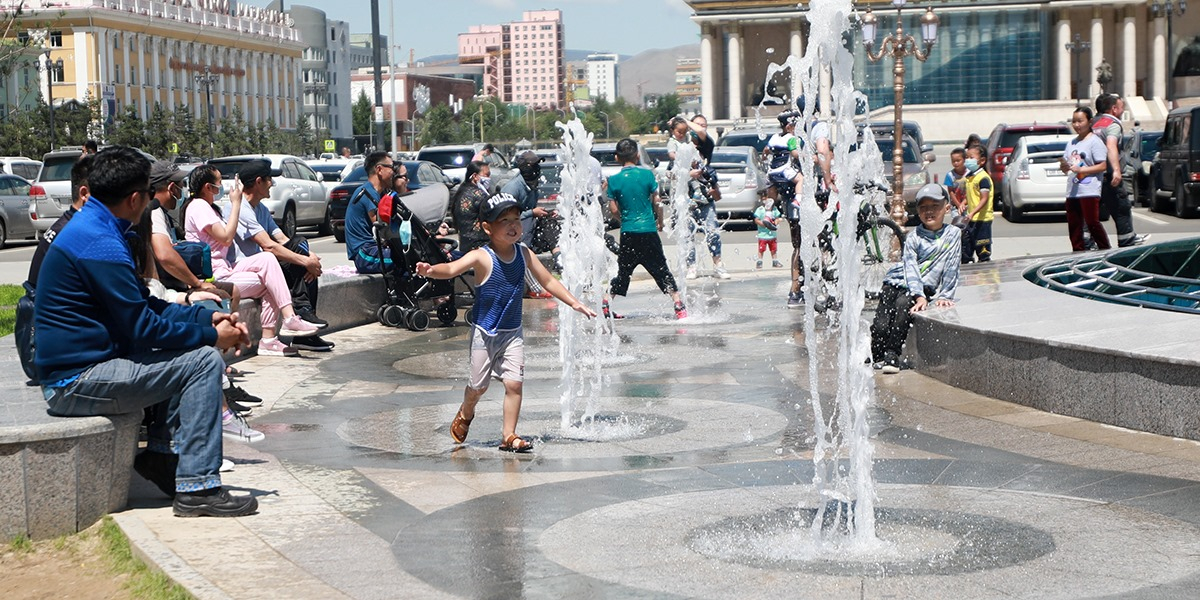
485 183
220 195
405 232
971 164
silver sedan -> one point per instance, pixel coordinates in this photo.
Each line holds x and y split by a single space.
1033 180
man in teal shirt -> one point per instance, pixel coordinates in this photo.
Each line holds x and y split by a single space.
633 194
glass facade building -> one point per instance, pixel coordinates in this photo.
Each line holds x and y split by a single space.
974 51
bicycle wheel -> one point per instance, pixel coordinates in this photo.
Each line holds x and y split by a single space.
880 249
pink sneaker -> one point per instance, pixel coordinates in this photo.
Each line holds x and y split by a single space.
297 327
680 311
274 347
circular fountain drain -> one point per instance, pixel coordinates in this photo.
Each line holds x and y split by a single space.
909 542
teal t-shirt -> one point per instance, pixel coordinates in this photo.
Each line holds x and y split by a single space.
632 188
766 233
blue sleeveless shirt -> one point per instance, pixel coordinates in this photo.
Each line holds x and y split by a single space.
498 299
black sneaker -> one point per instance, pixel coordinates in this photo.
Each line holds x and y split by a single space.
240 409
891 365
215 502
234 393
313 343
311 317
157 468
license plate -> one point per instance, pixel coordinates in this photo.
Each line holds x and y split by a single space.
1055 173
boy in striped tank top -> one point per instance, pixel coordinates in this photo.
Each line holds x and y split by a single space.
497 343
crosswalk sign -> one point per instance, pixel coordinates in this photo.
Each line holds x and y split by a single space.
330 145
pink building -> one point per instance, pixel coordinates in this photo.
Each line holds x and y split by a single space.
523 60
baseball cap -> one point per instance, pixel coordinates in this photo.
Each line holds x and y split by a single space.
527 157
253 169
496 205
932 191
162 172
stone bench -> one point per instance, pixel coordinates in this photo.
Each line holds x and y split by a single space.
59 475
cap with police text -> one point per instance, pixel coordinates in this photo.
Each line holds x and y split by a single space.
496 205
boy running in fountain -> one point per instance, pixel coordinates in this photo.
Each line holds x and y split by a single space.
497 342
928 274
633 196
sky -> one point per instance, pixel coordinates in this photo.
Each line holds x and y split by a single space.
432 26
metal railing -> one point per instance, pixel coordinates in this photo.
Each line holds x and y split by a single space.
176 12
1163 276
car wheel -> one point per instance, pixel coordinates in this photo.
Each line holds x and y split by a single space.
339 235
1182 210
1015 215
3 234
326 226
289 222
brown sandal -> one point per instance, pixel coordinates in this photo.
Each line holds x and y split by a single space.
515 443
459 428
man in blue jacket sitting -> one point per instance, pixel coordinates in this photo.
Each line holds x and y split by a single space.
104 346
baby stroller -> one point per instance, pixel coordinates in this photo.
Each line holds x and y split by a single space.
408 297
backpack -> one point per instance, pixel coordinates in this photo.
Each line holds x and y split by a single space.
23 332
198 258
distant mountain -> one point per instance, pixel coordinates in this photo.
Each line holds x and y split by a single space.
570 55
654 70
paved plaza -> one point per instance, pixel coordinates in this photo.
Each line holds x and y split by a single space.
694 480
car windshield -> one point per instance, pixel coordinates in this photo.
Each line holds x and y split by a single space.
659 154
229 168
551 174
1009 138
744 138
358 175
328 172
740 158
57 168
607 157
448 159
1046 147
887 146
1150 146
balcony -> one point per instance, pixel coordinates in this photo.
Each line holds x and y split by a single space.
158 10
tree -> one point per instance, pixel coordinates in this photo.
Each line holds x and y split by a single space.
305 140
159 134
128 129
437 126
361 114
666 108
186 134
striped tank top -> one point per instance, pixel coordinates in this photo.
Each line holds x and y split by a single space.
498 298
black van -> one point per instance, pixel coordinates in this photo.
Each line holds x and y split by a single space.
1175 174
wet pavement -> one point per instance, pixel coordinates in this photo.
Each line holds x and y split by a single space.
694 480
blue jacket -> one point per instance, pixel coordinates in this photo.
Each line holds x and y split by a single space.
91 305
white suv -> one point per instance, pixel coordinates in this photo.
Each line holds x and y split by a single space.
21 166
298 197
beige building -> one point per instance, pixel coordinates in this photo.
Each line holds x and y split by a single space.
988 51
141 52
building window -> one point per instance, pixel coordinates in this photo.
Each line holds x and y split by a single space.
56 39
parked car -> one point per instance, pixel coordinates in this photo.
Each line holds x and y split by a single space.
660 161
1175 174
910 128
453 161
421 174
1139 148
298 197
330 170
1002 141
741 180
26 168
15 223
916 170
51 191
1033 180
607 155
748 136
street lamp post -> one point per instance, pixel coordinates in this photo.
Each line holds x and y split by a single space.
1169 9
208 79
899 45
607 131
1077 47
51 68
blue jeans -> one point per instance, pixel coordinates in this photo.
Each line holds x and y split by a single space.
183 386
704 216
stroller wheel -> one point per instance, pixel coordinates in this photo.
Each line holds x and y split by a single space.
379 315
393 316
447 313
417 320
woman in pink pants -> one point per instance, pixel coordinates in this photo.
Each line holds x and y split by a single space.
257 276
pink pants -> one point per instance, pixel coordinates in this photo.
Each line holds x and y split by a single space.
259 276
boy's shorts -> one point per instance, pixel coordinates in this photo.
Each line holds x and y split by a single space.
501 356
771 244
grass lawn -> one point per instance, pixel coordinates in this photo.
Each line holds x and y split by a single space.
9 294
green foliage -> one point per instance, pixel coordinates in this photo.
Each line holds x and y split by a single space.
143 582
186 134
159 132
361 114
305 139
21 544
438 126
128 129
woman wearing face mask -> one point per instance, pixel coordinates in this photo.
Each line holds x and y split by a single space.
257 276
471 193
